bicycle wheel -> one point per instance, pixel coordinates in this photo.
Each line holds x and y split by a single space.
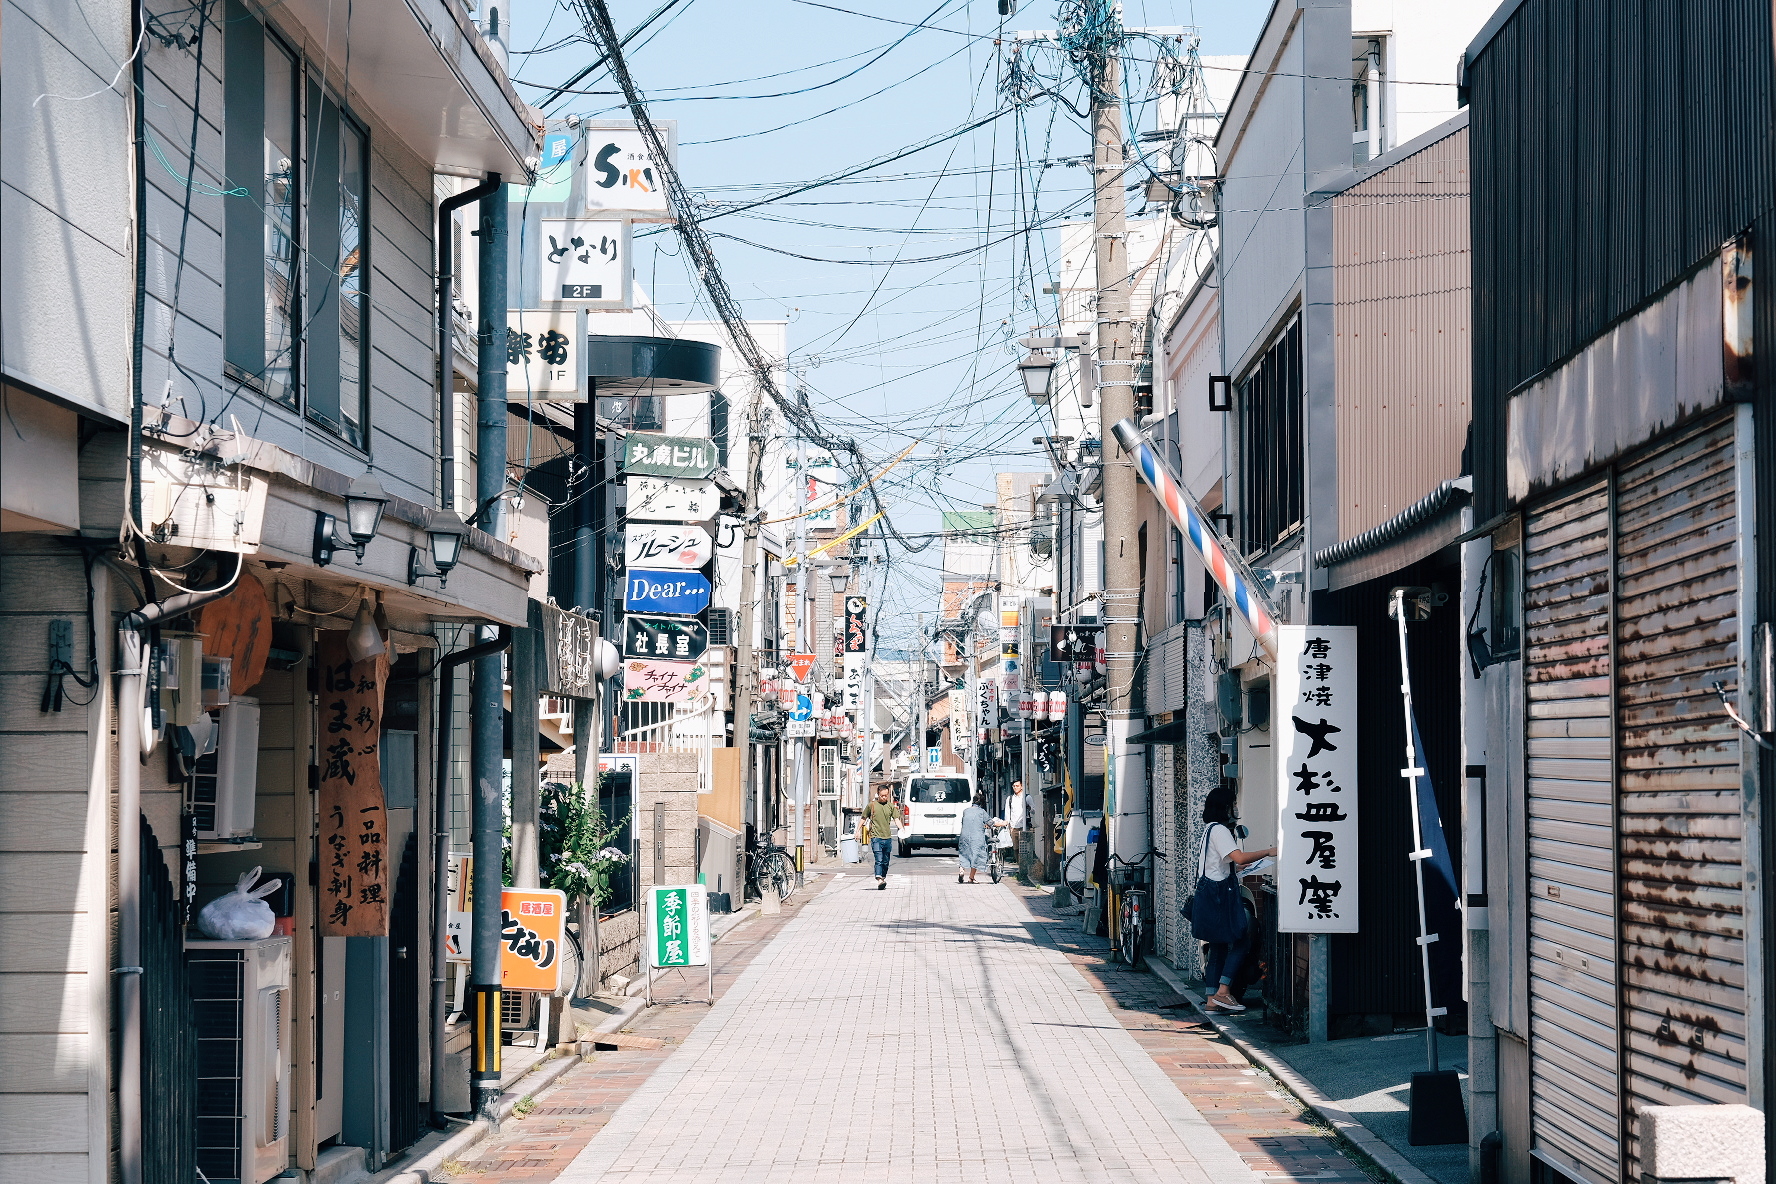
776 875
995 865
1129 930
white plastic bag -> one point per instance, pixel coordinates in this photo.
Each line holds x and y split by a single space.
241 915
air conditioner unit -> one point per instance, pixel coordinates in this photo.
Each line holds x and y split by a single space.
241 990
227 779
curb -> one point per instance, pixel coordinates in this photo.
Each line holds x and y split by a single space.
1344 1124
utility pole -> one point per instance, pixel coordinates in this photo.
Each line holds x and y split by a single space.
800 771
745 673
1125 801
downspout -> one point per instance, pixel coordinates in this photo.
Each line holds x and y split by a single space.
441 849
446 379
133 743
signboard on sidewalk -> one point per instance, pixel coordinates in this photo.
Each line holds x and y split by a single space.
1315 732
668 456
678 926
666 545
533 928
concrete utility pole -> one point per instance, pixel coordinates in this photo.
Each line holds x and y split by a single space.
745 672
1125 800
801 770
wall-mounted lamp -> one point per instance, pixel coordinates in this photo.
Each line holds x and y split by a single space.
1037 370
839 574
444 538
364 502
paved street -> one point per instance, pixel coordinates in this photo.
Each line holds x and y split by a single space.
929 1032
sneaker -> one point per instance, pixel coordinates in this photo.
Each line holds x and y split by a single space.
881 884
1231 1007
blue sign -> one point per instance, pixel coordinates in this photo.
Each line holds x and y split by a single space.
555 150
934 756
804 708
683 593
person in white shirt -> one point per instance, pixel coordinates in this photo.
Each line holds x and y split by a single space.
1220 856
1019 814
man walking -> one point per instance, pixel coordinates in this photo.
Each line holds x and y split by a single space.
879 823
1019 817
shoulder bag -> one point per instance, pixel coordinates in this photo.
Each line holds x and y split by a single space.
1216 912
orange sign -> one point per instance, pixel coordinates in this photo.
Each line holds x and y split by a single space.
533 928
801 665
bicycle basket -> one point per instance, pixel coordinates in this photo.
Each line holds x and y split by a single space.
1124 875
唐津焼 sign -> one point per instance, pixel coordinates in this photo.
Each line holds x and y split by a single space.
583 262
678 926
543 355
663 682
667 499
1314 729
533 928
668 456
353 850
677 639
666 545
683 593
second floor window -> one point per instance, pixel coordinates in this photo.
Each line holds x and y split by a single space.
295 235
1271 454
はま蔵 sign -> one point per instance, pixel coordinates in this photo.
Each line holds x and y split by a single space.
1314 726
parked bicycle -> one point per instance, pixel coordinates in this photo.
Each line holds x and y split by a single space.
770 868
1131 878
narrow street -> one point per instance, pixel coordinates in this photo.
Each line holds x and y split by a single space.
929 1032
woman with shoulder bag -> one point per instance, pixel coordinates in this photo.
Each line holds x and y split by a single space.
1218 915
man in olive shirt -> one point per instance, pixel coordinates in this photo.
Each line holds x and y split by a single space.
878 824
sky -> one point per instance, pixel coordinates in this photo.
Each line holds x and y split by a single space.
907 286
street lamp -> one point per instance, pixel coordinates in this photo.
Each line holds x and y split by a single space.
364 502
840 575
444 538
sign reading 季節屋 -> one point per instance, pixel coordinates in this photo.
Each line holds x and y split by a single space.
673 639
1314 728
678 926
668 456
353 871
668 499
682 593
666 545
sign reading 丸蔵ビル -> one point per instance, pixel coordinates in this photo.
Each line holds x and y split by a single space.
682 593
354 873
675 639
666 545
669 499
678 926
1314 728
668 456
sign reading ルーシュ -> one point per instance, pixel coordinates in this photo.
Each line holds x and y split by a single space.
1315 732
666 545
354 871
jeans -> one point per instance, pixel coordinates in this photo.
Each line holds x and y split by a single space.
881 849
1224 963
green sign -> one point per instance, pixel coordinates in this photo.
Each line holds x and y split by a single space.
678 926
668 456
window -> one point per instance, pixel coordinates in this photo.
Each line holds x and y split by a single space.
939 791
294 234
1271 454
718 426
637 413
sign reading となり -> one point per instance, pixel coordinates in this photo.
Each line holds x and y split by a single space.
668 499
678 926
663 682
666 545
668 456
680 593
584 262
1315 731
533 928
354 872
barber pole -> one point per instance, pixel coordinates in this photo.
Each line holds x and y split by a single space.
1225 568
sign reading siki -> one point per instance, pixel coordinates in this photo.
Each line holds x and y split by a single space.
677 639
682 593
668 456
663 545
1315 732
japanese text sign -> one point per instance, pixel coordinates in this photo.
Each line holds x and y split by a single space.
543 355
663 682
856 625
678 926
533 928
666 545
677 639
664 499
354 873
622 178
584 262
668 456
568 642
1315 732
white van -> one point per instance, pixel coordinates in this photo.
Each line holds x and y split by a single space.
931 810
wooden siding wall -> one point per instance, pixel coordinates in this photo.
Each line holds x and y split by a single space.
403 419
1400 241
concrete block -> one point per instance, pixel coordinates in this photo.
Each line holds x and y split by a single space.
1702 1143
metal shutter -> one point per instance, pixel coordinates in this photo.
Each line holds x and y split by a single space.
1677 633
1574 1100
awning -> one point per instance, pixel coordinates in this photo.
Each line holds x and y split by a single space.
1172 733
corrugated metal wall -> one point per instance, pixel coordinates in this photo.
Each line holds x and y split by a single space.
1615 144
1402 308
1678 627
1575 1102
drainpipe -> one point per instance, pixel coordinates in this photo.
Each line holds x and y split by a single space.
133 743
446 381
1372 98
441 849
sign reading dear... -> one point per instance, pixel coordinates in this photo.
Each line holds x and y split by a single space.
1314 729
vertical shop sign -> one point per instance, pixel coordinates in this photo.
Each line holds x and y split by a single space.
1316 763
856 625
678 926
354 874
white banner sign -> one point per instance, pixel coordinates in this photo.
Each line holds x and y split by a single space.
543 355
621 177
1315 731
663 546
662 499
854 664
584 262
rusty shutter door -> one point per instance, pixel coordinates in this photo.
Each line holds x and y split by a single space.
1574 1104
1678 613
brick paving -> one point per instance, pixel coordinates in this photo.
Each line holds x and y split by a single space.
985 1037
